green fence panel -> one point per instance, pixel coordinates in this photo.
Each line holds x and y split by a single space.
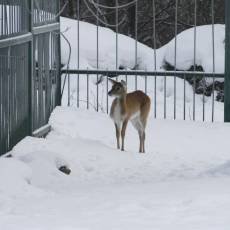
29 67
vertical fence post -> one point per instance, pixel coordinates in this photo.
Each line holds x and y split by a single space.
59 83
31 68
227 63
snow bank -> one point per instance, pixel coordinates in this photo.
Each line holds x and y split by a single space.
85 141
204 49
169 187
44 164
145 54
106 48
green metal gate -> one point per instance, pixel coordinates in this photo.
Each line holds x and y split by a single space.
29 67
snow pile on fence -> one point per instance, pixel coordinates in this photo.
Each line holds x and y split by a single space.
145 54
106 48
204 55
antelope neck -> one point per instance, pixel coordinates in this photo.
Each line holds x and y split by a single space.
122 102
122 99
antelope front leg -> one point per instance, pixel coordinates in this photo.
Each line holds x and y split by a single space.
124 125
117 135
142 140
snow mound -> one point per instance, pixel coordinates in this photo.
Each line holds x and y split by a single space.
106 48
145 54
85 141
14 175
43 163
204 49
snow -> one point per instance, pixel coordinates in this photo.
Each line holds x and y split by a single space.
182 182
145 54
145 61
204 49
106 45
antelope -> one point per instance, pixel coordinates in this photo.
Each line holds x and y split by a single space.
134 106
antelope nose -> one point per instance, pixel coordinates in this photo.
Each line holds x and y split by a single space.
109 93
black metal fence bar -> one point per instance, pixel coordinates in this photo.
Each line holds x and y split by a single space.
78 48
97 53
227 61
181 74
175 58
136 37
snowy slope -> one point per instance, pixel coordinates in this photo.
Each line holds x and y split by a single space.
182 182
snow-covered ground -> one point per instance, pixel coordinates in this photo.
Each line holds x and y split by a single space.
145 61
182 182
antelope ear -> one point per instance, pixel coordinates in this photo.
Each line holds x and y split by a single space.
112 81
123 83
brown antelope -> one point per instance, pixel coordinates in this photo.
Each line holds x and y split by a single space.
134 106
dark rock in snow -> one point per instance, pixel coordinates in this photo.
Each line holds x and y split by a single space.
65 169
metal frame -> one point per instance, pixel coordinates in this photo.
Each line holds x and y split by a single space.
17 24
143 76
188 74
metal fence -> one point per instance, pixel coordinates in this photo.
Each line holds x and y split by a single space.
191 76
14 18
29 67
